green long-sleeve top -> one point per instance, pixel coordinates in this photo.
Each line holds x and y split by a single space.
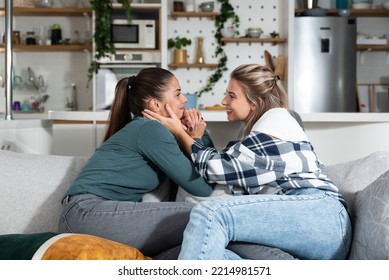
134 161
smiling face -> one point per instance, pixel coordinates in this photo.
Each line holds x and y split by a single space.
238 106
174 98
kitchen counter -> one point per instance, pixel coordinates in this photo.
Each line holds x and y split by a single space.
78 115
220 116
337 137
25 116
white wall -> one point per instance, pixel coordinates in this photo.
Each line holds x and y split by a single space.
265 14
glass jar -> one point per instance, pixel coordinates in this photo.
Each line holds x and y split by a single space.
30 38
16 38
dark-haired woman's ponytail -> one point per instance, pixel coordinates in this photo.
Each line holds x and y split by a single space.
120 114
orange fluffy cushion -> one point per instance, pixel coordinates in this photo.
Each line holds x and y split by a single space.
88 247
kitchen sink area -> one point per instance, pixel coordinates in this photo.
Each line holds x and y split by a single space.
26 135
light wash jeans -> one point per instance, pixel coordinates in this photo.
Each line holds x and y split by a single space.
308 224
151 227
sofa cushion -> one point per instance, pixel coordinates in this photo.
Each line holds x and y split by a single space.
353 176
371 226
64 246
31 188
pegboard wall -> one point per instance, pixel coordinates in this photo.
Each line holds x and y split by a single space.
265 14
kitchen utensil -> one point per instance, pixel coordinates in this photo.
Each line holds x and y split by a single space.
43 98
269 60
310 4
37 82
228 32
43 3
344 12
32 78
280 68
254 32
190 6
17 81
207 6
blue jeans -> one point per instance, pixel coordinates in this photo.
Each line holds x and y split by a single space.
308 224
151 227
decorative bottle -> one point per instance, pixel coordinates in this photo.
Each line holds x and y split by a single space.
199 51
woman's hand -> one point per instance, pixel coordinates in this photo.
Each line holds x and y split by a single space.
191 118
194 123
175 126
173 123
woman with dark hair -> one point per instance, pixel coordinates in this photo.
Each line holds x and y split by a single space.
136 157
280 197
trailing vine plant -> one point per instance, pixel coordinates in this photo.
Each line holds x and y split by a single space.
227 14
102 35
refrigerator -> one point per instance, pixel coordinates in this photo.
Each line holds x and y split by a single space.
324 64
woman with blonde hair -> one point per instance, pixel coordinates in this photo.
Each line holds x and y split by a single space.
280 198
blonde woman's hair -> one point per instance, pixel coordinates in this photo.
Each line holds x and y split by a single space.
262 88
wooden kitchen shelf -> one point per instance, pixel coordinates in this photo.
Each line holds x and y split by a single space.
354 12
192 65
49 48
212 15
66 12
253 40
373 47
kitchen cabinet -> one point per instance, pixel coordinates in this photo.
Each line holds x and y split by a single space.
50 12
74 138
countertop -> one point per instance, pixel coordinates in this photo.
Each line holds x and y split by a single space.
210 116
220 116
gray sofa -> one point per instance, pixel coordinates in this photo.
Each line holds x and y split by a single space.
31 187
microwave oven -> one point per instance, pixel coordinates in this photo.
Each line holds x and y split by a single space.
138 34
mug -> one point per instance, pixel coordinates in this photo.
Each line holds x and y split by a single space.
192 101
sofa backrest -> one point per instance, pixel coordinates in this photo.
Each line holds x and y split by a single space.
353 176
31 188
364 184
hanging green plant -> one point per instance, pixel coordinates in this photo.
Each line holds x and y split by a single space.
102 35
227 14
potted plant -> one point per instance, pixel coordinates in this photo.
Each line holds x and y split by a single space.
179 44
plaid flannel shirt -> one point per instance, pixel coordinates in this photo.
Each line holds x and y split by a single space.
259 160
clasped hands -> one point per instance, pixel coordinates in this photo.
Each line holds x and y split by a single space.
191 122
